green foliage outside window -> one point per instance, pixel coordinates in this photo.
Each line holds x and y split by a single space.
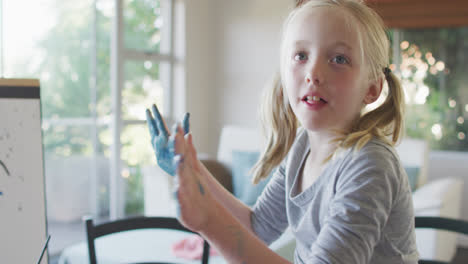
135 192
433 69
65 71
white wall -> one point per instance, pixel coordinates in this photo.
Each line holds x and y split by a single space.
231 52
198 58
248 55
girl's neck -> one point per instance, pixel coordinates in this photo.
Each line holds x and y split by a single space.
321 145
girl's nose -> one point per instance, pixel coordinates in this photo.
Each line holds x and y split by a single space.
314 76
315 79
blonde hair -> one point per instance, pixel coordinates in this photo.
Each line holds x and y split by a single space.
280 123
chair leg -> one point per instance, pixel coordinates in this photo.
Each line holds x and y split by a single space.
206 252
90 237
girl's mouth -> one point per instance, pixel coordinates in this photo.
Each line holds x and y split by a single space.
313 99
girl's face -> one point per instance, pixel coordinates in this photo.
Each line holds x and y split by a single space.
325 78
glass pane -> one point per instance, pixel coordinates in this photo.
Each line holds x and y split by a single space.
143 24
55 48
68 49
104 15
58 48
137 154
77 180
142 88
433 72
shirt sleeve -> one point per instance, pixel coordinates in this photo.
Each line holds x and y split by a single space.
364 194
268 217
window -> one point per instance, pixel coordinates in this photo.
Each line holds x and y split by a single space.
432 67
429 55
96 81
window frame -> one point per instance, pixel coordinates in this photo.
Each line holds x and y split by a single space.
119 55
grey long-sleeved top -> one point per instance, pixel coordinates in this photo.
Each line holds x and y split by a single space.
359 210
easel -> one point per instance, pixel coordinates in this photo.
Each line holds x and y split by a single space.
22 188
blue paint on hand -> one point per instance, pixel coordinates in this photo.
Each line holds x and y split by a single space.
186 123
162 143
200 187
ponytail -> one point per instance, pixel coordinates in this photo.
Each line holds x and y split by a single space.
385 122
279 126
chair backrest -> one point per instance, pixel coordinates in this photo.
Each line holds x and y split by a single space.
441 223
414 153
95 231
237 138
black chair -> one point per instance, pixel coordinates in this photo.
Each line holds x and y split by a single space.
128 224
441 223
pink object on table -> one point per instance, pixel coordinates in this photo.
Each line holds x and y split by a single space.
191 248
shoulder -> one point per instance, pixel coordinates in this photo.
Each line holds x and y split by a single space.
376 164
375 152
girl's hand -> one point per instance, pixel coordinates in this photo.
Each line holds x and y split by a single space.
163 144
196 204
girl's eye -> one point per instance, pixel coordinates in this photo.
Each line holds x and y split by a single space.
340 59
300 56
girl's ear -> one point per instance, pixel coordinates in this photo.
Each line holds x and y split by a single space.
373 91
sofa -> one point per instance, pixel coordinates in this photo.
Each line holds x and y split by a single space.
238 150
439 197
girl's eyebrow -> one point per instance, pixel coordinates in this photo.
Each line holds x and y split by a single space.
343 44
300 43
336 44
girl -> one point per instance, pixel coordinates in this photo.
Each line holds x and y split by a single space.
338 182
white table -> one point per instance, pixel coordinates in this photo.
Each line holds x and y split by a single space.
133 246
151 245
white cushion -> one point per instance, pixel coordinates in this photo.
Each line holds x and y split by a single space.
237 138
415 153
438 198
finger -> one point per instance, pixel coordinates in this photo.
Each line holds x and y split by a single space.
185 172
191 146
191 152
176 197
183 202
188 155
175 183
160 121
179 144
180 166
180 130
189 182
186 123
175 194
153 128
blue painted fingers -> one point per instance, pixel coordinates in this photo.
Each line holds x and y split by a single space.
186 123
162 142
